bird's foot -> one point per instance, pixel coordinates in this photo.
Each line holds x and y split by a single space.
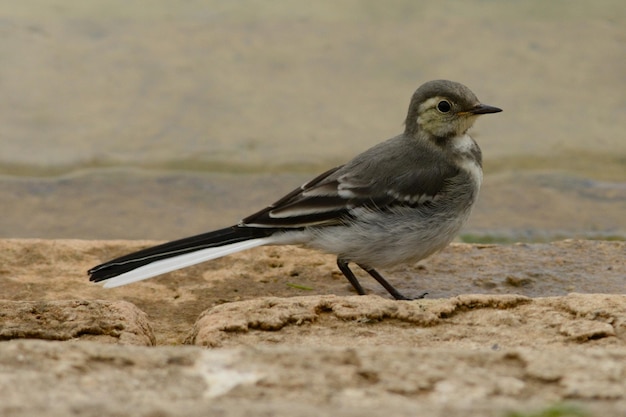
399 296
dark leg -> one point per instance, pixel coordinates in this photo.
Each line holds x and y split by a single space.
345 269
390 288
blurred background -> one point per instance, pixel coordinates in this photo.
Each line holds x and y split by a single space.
126 119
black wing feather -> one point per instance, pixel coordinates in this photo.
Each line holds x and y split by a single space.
394 177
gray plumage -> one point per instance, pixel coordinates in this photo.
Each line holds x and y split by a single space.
398 202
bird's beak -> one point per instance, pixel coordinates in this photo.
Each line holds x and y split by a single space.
484 109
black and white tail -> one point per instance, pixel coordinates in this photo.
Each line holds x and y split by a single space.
178 254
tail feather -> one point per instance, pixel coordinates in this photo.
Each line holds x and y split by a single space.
178 254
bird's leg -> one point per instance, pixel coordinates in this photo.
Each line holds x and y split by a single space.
390 288
347 272
345 269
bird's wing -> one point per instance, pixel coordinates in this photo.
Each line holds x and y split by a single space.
332 197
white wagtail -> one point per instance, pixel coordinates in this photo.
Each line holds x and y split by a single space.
397 202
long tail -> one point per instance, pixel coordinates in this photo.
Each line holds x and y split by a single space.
178 254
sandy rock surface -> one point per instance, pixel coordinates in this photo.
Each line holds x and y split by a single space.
279 332
91 379
465 322
102 321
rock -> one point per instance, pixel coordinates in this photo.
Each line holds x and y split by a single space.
277 348
103 321
472 321
36 269
93 379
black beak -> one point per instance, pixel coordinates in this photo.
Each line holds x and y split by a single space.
484 109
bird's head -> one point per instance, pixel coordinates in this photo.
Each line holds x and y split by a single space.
444 109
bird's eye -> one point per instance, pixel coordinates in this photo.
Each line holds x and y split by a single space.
444 106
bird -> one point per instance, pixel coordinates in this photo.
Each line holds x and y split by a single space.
396 203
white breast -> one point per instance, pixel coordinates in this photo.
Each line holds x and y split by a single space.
464 145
